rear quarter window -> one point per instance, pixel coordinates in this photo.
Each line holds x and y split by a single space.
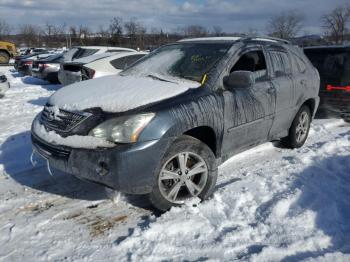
124 62
280 63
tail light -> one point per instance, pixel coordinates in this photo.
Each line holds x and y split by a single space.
28 63
87 73
43 65
332 88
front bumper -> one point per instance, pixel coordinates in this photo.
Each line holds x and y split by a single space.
126 168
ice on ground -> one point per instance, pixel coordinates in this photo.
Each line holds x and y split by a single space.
270 203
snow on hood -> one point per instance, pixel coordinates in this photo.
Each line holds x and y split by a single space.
118 93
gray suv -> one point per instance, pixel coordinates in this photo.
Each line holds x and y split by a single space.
162 126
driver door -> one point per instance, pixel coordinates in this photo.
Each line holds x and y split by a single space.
249 111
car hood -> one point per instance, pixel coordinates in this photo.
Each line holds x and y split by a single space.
118 93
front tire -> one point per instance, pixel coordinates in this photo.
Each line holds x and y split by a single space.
299 130
187 170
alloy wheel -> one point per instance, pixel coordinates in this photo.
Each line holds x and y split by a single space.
182 177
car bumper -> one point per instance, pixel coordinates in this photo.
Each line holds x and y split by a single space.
337 104
68 77
25 70
126 168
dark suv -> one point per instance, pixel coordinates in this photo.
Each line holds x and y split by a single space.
164 125
333 64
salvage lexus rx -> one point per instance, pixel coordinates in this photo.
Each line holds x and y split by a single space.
162 126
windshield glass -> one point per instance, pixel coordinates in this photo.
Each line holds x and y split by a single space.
189 61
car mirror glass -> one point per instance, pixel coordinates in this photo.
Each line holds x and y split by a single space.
239 79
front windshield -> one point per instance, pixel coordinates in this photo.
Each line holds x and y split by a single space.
189 61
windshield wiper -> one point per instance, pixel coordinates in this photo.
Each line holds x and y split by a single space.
160 79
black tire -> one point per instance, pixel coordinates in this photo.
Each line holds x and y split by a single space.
292 140
4 57
192 145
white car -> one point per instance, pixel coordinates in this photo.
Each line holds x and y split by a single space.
110 65
4 85
70 70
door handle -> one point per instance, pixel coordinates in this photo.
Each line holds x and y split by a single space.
303 82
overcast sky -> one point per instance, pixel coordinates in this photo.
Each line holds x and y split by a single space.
231 15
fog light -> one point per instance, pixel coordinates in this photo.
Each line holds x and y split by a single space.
102 168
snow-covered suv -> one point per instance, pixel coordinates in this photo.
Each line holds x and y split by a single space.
164 125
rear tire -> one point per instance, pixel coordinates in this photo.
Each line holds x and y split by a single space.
187 170
4 57
299 130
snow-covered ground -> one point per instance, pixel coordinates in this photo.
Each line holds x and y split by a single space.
271 203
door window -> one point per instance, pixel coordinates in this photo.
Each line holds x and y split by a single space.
253 61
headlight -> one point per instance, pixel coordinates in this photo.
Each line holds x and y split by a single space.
122 129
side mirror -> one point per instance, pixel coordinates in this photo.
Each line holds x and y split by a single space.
239 79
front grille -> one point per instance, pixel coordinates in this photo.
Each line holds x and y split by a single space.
48 151
61 120
3 79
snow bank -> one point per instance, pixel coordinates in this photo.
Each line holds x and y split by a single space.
117 93
88 142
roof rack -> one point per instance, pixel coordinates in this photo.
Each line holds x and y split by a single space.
265 38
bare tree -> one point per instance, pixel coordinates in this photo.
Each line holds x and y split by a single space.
195 31
335 23
54 34
116 29
31 34
83 34
286 25
5 29
217 30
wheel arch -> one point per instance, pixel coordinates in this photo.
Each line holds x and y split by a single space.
311 103
205 134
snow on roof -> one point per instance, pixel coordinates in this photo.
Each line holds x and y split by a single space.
224 38
121 54
105 47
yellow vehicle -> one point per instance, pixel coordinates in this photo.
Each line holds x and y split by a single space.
7 51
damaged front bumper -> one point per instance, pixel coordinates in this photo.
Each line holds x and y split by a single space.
128 168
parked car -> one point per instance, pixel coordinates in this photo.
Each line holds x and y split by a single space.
70 71
32 50
110 65
162 126
333 64
24 65
7 51
47 68
4 85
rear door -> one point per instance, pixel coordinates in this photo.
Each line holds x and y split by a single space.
283 83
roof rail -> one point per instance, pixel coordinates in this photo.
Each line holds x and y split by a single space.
266 38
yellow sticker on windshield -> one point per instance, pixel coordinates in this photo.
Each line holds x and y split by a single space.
204 79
